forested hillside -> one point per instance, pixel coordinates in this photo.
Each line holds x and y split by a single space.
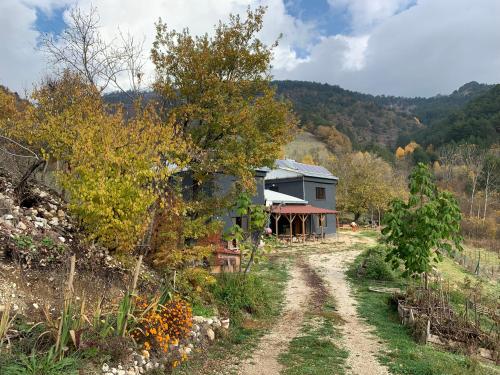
477 122
374 120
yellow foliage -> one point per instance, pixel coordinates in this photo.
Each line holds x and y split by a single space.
308 159
108 164
410 147
400 153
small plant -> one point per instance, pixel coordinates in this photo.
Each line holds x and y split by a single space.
24 242
46 364
47 242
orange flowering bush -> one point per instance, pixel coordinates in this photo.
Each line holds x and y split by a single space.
162 325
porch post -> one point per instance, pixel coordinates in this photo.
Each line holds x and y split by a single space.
290 218
322 222
276 218
303 218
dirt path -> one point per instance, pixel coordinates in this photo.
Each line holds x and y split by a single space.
265 358
358 340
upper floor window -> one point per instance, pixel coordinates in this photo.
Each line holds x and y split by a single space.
320 193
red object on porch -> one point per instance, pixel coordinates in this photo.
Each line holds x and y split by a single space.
302 209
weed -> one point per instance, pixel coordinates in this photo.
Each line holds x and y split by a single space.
24 242
43 364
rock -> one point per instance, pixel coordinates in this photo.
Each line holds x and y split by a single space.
198 319
114 370
60 214
210 334
187 350
62 239
120 372
21 226
54 221
131 372
35 305
195 328
209 321
145 354
225 323
105 367
8 217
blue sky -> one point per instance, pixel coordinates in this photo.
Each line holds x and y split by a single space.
50 21
397 47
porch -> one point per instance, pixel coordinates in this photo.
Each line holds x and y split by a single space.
300 222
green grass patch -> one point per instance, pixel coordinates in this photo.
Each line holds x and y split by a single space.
405 356
316 351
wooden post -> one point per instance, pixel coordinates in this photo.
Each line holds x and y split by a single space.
303 218
321 223
276 219
290 218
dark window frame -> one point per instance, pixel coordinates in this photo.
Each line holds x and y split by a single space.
320 193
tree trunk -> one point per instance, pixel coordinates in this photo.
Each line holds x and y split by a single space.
356 216
486 188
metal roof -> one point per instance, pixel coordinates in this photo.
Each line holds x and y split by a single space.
299 169
300 209
280 198
275 174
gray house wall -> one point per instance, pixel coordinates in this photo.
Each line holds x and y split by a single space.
293 187
305 188
310 185
222 185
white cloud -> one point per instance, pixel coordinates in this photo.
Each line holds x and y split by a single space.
431 47
367 13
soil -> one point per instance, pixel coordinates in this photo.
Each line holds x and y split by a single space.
359 341
265 358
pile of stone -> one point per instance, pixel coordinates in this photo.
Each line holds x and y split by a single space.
202 333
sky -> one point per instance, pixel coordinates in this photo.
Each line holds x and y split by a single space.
391 47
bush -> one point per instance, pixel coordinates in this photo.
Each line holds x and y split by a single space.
371 265
161 325
238 294
193 284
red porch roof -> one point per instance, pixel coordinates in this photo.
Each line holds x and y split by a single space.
300 209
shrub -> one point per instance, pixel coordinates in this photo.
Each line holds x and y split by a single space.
46 364
161 325
373 266
193 284
237 294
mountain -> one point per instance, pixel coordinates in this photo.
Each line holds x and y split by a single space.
359 116
478 121
344 119
372 120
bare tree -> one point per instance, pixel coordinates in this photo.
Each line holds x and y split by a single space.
448 158
81 48
473 158
490 176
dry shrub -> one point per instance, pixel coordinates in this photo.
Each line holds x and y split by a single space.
475 228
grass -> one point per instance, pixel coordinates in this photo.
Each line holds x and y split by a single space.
405 356
253 312
315 350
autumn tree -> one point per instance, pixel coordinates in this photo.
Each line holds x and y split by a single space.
110 166
221 98
365 182
419 231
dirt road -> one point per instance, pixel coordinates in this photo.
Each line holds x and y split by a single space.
361 344
330 261
265 358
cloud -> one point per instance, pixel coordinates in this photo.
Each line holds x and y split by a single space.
433 47
368 13
402 47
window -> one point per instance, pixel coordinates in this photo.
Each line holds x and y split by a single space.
320 193
274 187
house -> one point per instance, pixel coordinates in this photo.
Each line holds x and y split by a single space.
302 198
